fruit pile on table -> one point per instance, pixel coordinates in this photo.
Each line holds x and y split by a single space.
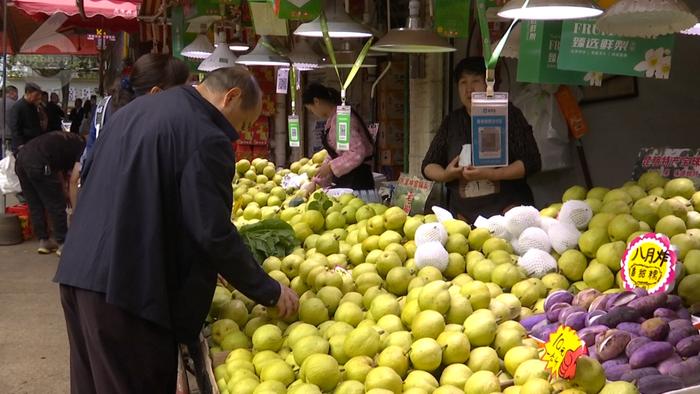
391 303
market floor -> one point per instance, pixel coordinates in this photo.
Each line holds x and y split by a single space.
33 340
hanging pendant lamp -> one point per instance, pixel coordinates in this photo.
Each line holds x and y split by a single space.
413 38
222 56
549 9
262 55
201 47
644 18
695 30
340 24
303 57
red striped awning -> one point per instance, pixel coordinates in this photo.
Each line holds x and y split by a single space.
112 14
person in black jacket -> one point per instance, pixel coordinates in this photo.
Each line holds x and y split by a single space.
76 116
473 191
42 168
151 232
53 111
24 117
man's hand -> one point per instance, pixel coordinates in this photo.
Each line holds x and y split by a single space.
472 173
452 171
324 171
288 302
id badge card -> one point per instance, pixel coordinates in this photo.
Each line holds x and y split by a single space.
342 128
282 80
293 126
489 130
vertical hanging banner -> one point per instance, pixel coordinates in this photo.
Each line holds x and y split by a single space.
539 53
450 17
303 10
294 135
489 130
342 128
585 48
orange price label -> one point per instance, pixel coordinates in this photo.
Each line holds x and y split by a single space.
649 263
561 351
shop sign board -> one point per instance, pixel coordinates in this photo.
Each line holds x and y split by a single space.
297 9
669 162
585 48
450 16
539 54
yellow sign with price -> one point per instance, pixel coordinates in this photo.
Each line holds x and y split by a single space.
561 351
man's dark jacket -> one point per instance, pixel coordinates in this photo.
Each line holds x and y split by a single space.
24 123
152 227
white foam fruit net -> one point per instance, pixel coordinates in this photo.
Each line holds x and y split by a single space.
534 238
537 263
546 222
577 212
563 236
520 218
431 254
430 232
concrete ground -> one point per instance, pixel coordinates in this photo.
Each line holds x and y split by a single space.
33 340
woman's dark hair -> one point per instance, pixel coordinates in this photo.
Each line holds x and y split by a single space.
87 106
470 66
149 71
323 93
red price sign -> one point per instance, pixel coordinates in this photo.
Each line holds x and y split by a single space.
561 352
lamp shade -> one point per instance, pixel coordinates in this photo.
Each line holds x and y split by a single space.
408 40
637 18
303 57
200 48
261 55
549 9
239 46
695 30
221 57
340 24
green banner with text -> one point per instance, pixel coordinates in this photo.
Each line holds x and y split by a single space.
452 18
585 48
539 52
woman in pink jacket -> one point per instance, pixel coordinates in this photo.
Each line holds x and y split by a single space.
351 168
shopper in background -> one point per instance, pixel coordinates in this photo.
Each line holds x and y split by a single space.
55 113
42 167
76 116
152 73
153 230
343 169
9 99
24 117
87 115
498 189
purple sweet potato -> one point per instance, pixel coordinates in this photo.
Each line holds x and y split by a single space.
556 297
636 343
636 373
673 302
648 304
658 384
650 354
620 299
530 321
632 328
543 332
599 303
612 345
576 320
588 334
683 313
686 370
593 316
640 292
619 315
615 372
676 323
555 310
565 312
666 312
665 366
616 361
676 334
585 298
656 329
689 346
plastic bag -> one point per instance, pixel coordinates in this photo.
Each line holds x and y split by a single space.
9 182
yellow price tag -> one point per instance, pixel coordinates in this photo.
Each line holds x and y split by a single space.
561 351
649 263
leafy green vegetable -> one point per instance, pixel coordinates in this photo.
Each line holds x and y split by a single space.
269 237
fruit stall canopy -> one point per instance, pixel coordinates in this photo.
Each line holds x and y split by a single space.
111 14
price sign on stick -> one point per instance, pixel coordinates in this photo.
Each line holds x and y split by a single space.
294 137
342 127
649 263
561 352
